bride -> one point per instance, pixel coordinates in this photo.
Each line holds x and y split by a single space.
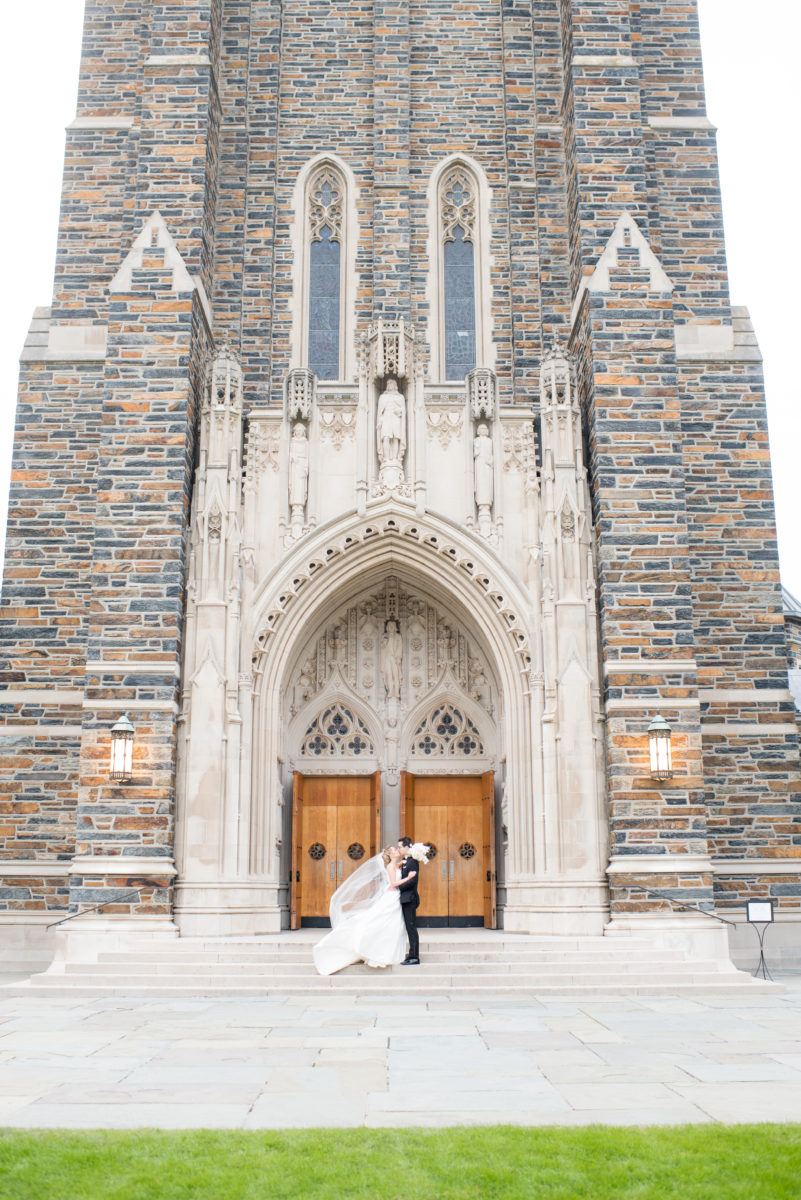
366 919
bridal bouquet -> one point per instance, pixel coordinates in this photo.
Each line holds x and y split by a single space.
419 851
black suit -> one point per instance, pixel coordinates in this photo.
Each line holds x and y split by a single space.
410 902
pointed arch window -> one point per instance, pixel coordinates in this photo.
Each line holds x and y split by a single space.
457 214
325 208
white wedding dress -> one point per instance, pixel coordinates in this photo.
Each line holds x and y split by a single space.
366 922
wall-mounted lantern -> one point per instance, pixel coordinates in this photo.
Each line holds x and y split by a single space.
122 736
659 747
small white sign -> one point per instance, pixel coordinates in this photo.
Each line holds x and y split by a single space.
759 911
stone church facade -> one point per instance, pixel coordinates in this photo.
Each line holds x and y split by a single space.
391 454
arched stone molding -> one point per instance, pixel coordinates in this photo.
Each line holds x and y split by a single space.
336 692
440 558
299 304
391 534
485 345
448 692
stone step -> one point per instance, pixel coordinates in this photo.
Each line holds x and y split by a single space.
157 961
399 976
527 967
717 983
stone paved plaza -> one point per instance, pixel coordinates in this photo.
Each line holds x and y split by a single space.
351 1061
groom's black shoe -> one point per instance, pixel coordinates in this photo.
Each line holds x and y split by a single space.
411 962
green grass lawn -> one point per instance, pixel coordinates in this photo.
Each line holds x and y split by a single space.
719 1162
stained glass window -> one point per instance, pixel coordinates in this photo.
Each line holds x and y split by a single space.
460 306
458 220
324 306
326 192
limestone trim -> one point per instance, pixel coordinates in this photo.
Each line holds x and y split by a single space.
649 666
481 235
178 60
17 867
756 866
626 233
132 667
109 123
737 729
743 695
24 916
603 60
56 697
647 703
154 234
678 124
660 864
138 705
119 864
39 730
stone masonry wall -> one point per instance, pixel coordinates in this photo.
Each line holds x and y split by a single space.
577 110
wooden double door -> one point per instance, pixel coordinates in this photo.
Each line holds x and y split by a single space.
336 826
455 815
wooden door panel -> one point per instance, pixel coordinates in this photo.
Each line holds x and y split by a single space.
319 826
488 822
432 827
375 808
333 812
449 811
465 868
295 880
353 829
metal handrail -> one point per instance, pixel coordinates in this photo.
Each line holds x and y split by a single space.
95 907
684 907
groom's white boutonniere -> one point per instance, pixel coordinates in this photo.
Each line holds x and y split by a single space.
419 852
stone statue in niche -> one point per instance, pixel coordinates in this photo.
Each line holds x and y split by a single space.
391 659
305 686
390 429
444 644
483 477
298 477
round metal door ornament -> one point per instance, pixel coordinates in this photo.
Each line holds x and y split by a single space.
355 851
432 850
467 849
316 851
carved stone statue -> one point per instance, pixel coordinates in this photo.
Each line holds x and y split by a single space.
483 474
391 425
391 659
298 477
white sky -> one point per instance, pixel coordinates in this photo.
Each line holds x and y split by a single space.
751 57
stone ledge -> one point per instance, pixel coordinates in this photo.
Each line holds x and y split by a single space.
101 123
603 60
178 60
690 124
660 864
33 867
747 695
114 864
32 730
756 866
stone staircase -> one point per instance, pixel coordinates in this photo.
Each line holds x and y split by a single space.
454 962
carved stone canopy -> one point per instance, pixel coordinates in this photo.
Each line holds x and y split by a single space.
391 350
432 641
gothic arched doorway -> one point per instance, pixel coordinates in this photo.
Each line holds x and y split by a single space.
390 686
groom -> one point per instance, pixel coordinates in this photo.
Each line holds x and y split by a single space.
410 901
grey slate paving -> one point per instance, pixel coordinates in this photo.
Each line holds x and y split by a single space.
363 1061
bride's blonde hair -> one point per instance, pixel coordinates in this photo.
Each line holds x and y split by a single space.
386 856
